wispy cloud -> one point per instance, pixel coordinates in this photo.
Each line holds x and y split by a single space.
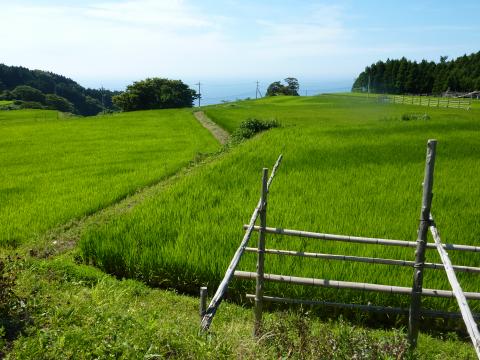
167 15
132 39
140 37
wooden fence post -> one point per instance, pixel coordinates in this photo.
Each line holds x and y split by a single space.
203 301
261 256
415 304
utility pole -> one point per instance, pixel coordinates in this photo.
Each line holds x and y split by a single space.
199 93
257 92
368 86
103 97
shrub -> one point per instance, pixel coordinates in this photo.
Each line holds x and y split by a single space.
252 126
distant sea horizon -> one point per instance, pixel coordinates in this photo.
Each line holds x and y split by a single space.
217 91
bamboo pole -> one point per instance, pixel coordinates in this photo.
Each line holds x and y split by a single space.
371 308
261 256
222 288
360 239
415 303
246 275
467 316
370 260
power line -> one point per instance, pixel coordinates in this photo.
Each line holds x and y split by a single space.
199 93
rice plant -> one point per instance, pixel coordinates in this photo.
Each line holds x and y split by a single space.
56 168
345 171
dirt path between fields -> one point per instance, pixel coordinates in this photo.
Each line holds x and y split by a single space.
221 135
65 237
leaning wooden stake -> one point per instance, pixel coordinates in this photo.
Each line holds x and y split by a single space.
222 288
457 290
261 256
415 304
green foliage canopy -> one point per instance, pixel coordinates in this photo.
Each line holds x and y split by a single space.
277 88
85 101
27 93
59 103
155 93
426 77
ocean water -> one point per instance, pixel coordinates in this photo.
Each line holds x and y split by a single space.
218 91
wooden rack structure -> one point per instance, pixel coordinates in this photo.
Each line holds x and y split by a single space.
416 291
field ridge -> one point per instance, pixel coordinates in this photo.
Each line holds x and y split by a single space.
219 133
64 237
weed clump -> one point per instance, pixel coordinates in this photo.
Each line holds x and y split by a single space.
408 117
252 126
296 336
13 314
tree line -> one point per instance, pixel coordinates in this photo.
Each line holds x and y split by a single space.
426 77
43 89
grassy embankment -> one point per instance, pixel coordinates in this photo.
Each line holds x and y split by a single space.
77 312
351 167
55 169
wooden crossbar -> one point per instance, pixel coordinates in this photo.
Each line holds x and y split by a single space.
370 260
361 239
248 275
371 308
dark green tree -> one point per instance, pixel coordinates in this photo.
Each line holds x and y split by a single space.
277 88
155 93
55 102
292 86
28 93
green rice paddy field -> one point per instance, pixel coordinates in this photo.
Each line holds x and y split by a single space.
57 168
350 167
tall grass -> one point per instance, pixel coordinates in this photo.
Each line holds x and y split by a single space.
350 167
54 169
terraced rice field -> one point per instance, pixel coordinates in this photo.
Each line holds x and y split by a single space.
350 167
55 168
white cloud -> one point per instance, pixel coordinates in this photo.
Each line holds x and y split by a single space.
169 15
132 39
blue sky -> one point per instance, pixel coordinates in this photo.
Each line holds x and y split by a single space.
113 42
